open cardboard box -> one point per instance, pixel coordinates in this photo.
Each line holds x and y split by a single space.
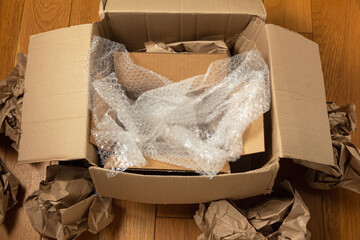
56 118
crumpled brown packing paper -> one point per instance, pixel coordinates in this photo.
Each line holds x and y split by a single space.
223 220
65 204
211 46
11 100
9 186
346 172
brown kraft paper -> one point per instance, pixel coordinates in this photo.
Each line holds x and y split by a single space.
223 220
65 204
217 46
9 186
346 172
11 100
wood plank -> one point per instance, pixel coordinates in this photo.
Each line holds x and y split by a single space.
337 31
341 214
41 16
84 11
176 228
132 221
10 12
292 14
176 210
308 35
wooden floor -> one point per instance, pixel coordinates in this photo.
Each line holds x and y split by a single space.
333 24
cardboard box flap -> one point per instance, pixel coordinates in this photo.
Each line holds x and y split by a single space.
183 190
135 22
250 7
55 111
299 103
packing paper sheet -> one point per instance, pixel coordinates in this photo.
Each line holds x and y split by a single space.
65 204
277 218
11 100
346 170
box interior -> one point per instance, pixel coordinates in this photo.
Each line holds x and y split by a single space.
109 28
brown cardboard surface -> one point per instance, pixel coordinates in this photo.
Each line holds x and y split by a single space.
251 7
55 110
176 66
184 189
136 22
298 96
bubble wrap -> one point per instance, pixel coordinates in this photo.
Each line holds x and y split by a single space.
196 123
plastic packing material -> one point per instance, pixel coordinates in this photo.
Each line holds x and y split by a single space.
196 123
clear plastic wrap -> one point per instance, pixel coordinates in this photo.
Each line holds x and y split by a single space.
196 123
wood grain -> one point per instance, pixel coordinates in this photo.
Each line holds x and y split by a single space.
10 12
292 14
177 210
337 31
84 11
132 221
41 16
176 229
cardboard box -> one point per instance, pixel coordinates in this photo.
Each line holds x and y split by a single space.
56 117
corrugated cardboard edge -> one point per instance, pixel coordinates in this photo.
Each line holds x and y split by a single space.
250 7
184 190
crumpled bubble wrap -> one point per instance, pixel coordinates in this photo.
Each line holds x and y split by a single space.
196 123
